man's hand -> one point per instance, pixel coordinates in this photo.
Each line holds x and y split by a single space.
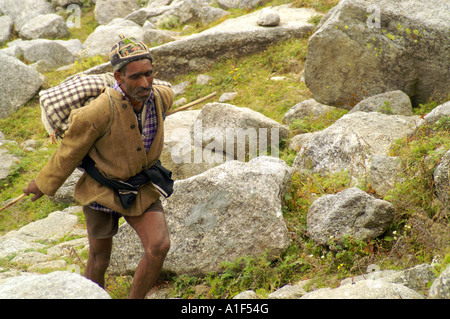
33 189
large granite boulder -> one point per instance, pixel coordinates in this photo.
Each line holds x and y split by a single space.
22 84
227 212
367 47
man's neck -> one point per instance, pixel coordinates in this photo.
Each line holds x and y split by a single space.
137 106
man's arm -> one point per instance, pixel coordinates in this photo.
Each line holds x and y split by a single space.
167 96
85 128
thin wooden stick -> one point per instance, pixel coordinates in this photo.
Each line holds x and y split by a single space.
15 200
191 104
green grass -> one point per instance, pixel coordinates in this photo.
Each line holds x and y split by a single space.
322 6
251 79
25 169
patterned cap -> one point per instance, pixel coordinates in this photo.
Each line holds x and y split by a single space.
128 50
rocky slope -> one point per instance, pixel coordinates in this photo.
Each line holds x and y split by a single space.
226 206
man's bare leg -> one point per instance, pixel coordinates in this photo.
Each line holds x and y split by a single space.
98 261
151 228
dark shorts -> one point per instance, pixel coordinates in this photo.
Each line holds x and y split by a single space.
101 224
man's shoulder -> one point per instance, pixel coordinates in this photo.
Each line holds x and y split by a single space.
166 94
98 109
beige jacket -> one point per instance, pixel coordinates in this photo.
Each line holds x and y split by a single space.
110 135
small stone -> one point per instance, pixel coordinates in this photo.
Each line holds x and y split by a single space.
268 18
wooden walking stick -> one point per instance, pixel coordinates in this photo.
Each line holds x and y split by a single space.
15 200
191 104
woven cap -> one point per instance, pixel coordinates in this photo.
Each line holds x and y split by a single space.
128 50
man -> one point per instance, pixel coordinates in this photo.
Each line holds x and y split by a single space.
118 137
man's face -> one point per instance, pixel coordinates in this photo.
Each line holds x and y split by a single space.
137 81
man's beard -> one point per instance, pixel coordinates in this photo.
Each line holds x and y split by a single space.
141 94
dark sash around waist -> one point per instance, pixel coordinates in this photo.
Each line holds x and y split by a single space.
127 190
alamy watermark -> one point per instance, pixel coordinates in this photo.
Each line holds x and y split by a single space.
74 18
374 19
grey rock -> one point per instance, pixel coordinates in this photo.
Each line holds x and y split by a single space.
179 150
203 79
227 96
352 56
288 292
7 162
55 285
352 141
104 37
394 102
55 53
207 220
66 191
248 294
73 45
236 130
10 245
159 36
30 145
65 3
66 248
206 214
441 177
23 83
180 88
308 108
51 265
211 14
298 141
5 275
56 225
416 278
440 289
6 26
233 38
365 289
243 4
107 10
47 26
351 212
23 11
178 11
268 18
436 114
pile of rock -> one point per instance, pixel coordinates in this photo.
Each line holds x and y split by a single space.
376 284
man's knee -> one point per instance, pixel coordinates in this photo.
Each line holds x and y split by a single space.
100 260
100 252
159 248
